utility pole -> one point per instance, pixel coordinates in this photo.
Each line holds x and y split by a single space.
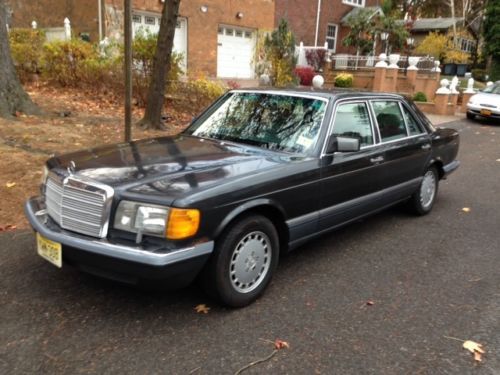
128 69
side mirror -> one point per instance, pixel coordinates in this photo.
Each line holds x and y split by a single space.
342 144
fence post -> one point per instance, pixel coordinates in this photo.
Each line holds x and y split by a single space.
67 28
411 73
441 99
380 71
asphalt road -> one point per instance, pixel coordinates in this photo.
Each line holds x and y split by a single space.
431 279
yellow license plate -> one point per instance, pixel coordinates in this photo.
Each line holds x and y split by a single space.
49 250
485 112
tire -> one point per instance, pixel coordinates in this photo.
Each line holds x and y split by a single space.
245 258
423 199
471 116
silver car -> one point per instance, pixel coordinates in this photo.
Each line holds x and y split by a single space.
485 103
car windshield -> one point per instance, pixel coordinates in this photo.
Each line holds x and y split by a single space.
271 121
493 89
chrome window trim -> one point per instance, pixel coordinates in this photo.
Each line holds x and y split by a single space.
282 93
422 128
332 121
398 101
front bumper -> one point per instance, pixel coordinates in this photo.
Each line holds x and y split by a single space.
450 168
119 259
478 110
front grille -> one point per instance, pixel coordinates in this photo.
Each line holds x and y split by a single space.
79 205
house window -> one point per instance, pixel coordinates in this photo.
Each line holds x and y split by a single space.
149 20
331 36
137 18
465 45
356 3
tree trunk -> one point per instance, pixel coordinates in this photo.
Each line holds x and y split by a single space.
13 98
161 66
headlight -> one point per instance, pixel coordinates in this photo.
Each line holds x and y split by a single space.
173 223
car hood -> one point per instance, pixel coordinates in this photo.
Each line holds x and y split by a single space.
168 167
485 98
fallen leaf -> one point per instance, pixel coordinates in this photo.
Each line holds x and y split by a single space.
474 348
202 309
370 303
466 209
10 184
280 344
498 159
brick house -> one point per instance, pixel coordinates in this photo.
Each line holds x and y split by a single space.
217 37
315 22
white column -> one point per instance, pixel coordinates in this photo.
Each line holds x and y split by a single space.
67 28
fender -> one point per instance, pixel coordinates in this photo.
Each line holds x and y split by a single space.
260 202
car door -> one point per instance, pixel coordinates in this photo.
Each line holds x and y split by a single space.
406 146
350 180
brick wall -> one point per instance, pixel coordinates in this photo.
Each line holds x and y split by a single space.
301 15
202 27
51 13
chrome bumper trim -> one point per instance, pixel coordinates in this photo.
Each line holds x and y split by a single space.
451 167
37 218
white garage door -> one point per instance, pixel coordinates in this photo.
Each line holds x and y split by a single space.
235 52
151 23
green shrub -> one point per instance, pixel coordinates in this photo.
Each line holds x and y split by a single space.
479 74
26 47
420 97
143 52
344 80
280 52
67 62
194 95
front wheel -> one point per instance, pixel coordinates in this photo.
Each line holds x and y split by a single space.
470 116
244 261
423 199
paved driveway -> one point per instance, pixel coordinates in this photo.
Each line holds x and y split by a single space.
431 279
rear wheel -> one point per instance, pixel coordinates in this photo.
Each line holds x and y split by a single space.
423 199
470 116
244 261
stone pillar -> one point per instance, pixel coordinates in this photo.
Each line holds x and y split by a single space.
441 104
465 100
380 71
411 76
442 98
392 73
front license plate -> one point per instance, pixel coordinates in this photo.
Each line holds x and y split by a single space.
485 112
49 250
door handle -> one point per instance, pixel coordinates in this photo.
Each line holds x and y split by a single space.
426 146
378 159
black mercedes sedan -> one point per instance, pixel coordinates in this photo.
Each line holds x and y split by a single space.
257 174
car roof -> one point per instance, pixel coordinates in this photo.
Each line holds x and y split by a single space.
333 93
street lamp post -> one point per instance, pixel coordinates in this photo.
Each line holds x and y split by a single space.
128 68
385 38
409 44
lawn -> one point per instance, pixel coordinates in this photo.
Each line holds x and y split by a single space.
73 120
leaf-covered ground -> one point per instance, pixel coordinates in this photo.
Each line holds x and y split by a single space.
73 120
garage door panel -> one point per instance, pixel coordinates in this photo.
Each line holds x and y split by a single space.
235 52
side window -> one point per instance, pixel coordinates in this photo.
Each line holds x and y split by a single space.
390 120
413 126
352 120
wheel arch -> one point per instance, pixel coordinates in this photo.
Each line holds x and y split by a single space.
264 207
438 164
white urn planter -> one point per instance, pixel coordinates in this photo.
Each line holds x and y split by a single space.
412 62
393 60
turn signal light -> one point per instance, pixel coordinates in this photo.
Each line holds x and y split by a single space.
182 223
